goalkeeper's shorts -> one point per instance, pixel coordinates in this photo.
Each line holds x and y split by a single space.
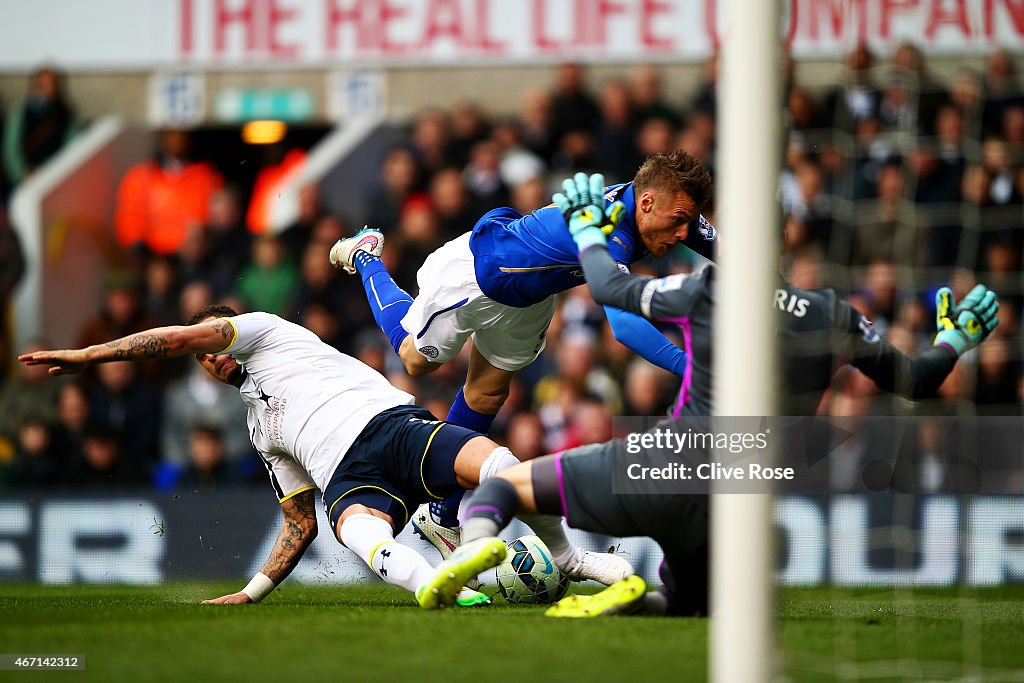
578 484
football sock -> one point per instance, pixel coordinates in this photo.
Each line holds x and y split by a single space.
446 512
372 539
451 511
462 415
500 458
387 300
490 509
550 530
496 501
401 566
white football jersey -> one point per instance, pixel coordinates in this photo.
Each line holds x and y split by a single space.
307 401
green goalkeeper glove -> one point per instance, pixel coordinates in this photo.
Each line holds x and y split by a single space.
964 326
582 205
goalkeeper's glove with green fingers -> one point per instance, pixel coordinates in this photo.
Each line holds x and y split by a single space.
582 205
964 326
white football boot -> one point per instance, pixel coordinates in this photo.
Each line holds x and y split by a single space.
343 252
604 568
445 539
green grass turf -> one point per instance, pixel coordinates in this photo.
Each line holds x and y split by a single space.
376 633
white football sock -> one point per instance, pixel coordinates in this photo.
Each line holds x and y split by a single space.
373 541
500 458
547 527
550 530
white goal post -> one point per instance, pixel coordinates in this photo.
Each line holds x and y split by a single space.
749 144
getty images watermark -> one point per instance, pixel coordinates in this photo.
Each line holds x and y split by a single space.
812 455
678 440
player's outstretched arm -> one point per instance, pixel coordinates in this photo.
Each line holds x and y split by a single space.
212 336
960 328
645 340
297 532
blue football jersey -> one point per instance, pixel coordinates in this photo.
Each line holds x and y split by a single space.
522 260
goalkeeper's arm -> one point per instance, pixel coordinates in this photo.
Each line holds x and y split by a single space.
960 329
914 377
589 221
626 305
652 298
297 533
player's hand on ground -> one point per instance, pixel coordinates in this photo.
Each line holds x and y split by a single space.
582 205
238 598
61 362
964 326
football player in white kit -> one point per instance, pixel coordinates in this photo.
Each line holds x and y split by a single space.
322 420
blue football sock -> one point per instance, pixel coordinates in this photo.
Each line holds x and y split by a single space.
462 415
446 512
388 301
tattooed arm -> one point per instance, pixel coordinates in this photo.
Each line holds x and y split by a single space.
296 534
211 336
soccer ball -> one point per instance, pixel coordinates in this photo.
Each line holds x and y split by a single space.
528 575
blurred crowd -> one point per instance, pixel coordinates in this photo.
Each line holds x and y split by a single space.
895 182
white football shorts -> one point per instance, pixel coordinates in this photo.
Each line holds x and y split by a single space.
450 308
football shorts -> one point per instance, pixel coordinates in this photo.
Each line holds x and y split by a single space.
450 308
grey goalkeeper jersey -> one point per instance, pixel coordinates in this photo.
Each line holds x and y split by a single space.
817 332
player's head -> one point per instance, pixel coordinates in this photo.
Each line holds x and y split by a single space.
221 365
670 189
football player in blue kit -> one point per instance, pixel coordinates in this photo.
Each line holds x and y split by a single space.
499 282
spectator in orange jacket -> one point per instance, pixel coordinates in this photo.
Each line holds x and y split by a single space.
281 167
161 199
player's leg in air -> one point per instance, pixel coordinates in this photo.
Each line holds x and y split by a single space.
437 523
432 329
577 483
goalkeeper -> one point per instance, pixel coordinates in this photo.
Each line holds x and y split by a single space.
819 331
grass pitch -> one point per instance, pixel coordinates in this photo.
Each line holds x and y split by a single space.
376 633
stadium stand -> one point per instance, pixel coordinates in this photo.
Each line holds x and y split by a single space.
895 181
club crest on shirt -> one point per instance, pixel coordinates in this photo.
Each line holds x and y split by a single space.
429 351
705 228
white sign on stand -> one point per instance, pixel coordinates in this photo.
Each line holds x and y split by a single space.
356 93
303 33
176 99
